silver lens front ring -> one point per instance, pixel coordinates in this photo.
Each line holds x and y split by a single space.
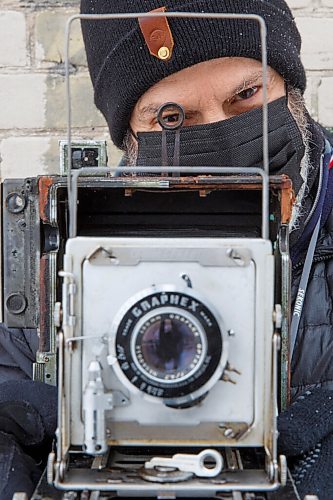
168 345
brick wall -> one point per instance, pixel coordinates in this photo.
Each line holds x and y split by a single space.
32 90
32 94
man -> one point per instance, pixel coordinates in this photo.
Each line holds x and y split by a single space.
212 69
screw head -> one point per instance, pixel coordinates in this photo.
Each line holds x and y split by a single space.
164 53
229 433
15 203
16 303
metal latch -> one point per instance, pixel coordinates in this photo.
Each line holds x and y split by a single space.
208 463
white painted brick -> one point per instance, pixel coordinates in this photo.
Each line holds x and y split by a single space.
22 101
325 102
37 101
311 96
24 156
299 4
12 39
317 53
50 38
84 112
30 156
327 3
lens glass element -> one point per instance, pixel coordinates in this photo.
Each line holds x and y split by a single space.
169 347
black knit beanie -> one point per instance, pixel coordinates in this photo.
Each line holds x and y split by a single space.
122 68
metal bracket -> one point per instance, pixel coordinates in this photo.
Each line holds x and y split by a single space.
232 430
45 368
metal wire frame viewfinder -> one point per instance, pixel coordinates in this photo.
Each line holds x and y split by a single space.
264 173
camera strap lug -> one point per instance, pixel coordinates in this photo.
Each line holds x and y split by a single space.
195 464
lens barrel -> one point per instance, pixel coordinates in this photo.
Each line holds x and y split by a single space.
169 344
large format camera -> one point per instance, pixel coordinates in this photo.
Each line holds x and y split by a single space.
173 306
169 305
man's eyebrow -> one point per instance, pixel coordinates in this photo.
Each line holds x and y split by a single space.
250 80
153 109
149 110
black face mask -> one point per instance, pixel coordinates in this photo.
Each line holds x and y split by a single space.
236 142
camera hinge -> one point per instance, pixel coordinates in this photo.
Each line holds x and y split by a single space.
68 293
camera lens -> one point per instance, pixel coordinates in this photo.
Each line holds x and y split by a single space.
169 344
169 347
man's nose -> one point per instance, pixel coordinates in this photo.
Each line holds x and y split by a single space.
212 115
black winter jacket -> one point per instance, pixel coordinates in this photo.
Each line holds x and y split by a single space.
312 362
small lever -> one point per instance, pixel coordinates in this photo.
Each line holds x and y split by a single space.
191 463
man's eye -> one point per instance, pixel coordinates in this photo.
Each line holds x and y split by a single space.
246 94
174 118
